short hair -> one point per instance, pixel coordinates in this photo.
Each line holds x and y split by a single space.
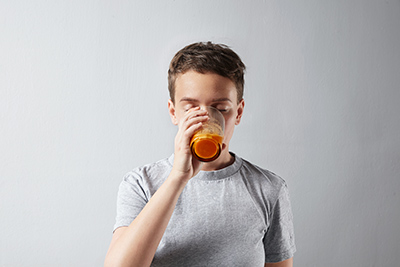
207 57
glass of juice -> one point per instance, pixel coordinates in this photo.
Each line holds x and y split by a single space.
206 144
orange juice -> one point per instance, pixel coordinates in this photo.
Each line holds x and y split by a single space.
205 146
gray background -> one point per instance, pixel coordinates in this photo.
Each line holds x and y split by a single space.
83 100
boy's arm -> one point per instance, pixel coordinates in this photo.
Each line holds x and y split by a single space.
285 263
136 244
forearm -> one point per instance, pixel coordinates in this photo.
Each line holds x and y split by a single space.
138 243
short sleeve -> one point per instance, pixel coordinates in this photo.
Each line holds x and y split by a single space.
278 241
130 201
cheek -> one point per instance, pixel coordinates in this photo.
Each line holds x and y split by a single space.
229 126
229 120
179 115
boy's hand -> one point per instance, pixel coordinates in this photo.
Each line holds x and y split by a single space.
185 165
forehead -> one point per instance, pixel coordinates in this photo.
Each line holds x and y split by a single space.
204 86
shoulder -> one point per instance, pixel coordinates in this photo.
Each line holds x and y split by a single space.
149 169
256 174
149 175
263 185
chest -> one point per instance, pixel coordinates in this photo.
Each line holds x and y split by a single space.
214 224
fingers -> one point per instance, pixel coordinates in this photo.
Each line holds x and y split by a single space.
194 114
188 125
192 121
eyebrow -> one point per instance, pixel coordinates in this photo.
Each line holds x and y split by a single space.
188 99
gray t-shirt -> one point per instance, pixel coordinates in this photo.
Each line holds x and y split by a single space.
236 216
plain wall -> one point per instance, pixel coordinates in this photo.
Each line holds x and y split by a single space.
83 100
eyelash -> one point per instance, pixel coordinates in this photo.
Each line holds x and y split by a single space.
220 109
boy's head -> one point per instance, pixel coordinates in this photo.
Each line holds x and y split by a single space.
207 58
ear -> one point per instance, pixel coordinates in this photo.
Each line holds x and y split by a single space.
239 112
172 112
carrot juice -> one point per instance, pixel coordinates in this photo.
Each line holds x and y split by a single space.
206 144
206 147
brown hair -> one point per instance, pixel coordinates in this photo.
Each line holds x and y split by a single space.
207 57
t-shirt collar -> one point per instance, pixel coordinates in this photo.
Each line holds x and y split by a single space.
218 174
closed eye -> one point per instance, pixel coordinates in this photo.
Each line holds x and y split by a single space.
222 108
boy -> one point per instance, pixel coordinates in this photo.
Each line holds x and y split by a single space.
182 212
